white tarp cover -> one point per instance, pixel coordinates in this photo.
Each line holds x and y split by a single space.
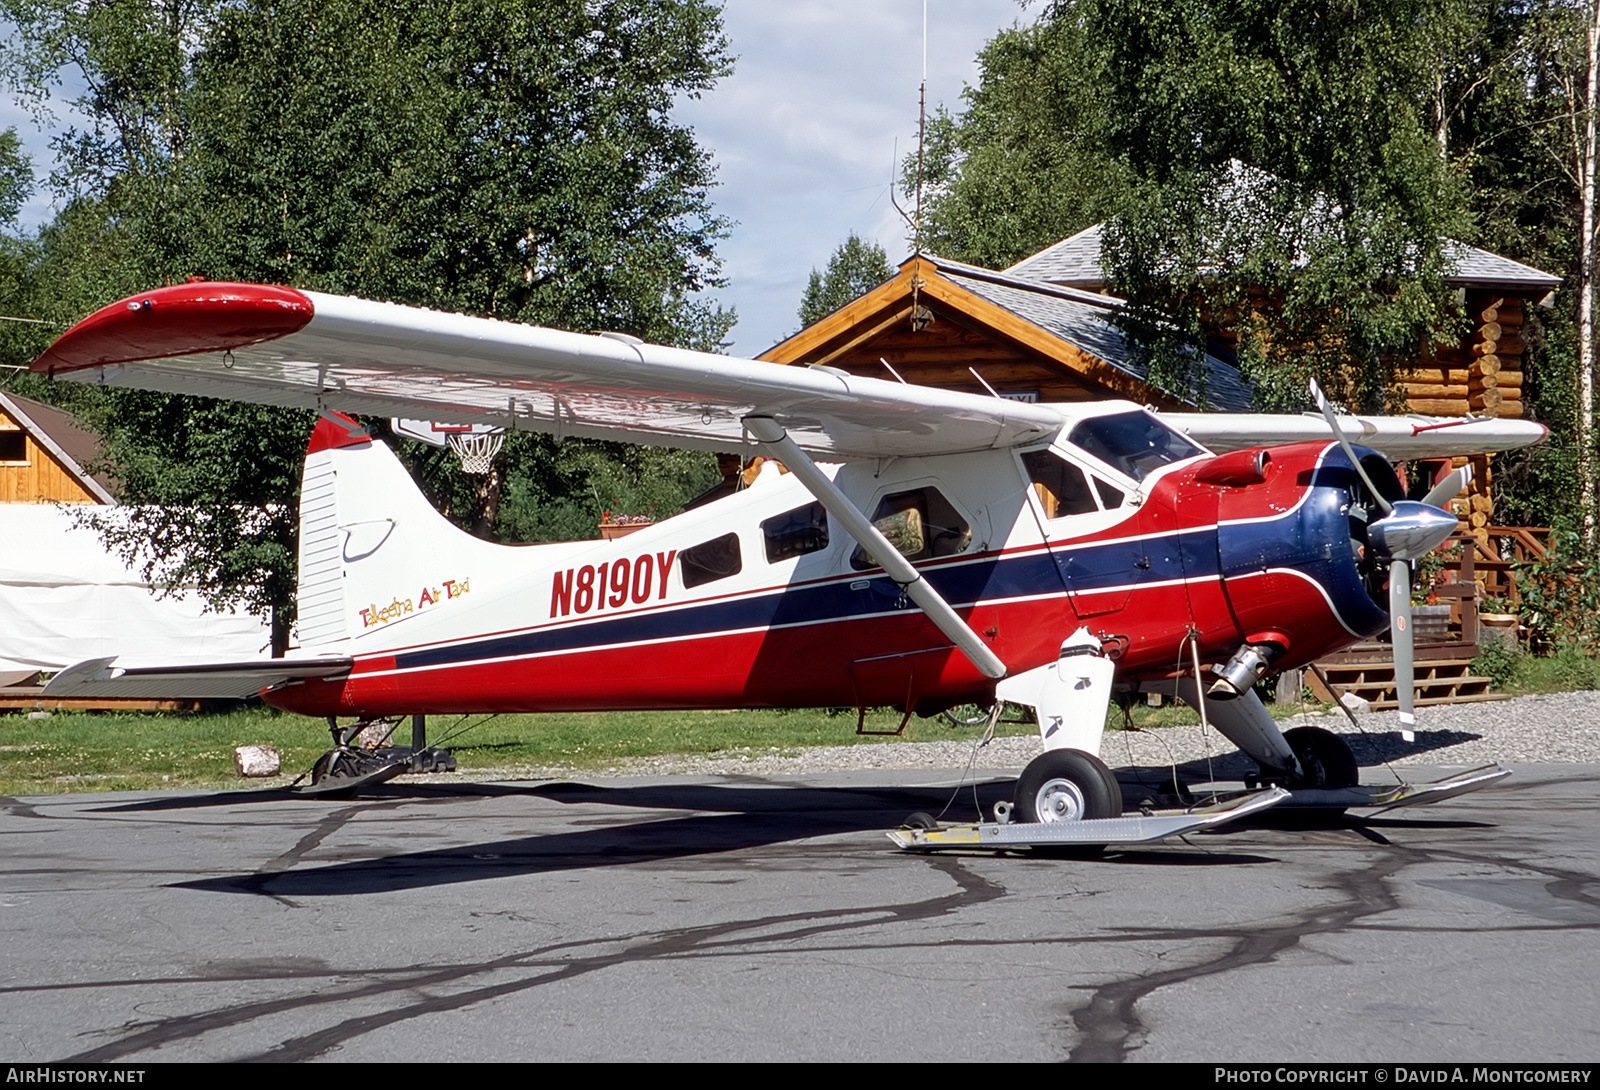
64 598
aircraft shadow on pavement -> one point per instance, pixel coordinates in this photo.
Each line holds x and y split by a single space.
727 818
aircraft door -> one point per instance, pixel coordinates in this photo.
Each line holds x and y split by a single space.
1074 509
897 657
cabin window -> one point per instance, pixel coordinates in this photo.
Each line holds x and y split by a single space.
921 525
1062 488
1133 443
14 446
710 561
1110 495
795 533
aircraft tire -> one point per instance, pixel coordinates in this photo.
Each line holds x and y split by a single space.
1325 758
1066 785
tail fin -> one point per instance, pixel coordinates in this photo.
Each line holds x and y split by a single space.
369 539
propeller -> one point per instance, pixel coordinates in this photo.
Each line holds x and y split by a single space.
1408 531
1349 451
1449 488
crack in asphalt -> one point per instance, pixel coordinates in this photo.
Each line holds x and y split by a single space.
712 939
1110 1026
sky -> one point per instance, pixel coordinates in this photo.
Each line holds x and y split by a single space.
805 135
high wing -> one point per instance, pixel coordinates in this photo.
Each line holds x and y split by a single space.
1399 438
279 346
282 346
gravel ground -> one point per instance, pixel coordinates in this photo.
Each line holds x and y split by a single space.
1557 727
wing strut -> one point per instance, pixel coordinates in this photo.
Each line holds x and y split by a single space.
771 435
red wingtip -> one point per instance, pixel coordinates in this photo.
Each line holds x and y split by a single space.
178 321
335 430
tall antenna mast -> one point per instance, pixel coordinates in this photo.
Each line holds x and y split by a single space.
922 130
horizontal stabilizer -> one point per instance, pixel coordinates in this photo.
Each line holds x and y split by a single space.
98 678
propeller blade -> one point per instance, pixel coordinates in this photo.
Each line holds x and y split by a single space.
1449 488
1349 451
1405 670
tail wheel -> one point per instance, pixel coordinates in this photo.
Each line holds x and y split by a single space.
1325 759
1067 785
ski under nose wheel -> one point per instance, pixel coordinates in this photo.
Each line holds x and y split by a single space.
1066 785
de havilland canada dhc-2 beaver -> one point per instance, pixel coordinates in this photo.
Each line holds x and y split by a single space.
903 545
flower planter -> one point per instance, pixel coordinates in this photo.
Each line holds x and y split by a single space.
610 531
1430 624
1499 630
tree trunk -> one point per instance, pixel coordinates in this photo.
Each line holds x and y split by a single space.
282 619
1586 184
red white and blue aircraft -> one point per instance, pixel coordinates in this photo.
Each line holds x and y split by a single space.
924 549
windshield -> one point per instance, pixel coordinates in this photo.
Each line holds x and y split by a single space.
1134 443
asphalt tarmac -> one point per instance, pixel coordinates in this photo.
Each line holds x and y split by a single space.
764 919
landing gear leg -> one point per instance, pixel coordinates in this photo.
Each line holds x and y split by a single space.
346 768
1068 782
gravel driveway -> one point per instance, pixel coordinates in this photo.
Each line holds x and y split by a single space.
1552 728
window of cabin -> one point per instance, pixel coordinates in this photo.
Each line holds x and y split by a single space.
1061 486
1133 443
795 533
14 447
1110 495
920 524
710 561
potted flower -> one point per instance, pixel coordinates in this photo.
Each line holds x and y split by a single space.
1498 622
615 526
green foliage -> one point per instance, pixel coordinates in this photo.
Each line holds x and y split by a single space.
1269 168
558 491
213 489
1024 165
1561 595
1575 669
1503 665
512 158
16 176
854 269
1284 182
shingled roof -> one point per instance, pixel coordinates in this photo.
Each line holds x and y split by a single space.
1084 320
1019 335
1075 262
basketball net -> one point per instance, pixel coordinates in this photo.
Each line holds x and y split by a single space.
476 451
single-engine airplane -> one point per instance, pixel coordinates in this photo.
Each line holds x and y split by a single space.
926 548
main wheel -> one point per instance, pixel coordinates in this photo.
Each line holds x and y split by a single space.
1067 785
1325 758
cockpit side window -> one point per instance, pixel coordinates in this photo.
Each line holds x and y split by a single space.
1110 495
1133 443
1062 487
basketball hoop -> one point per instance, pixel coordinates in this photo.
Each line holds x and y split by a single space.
476 450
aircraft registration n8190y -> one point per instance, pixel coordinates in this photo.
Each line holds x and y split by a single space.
903 545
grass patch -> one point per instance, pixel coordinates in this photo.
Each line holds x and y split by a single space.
89 751
1519 673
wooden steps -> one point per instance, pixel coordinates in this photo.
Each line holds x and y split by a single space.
1371 677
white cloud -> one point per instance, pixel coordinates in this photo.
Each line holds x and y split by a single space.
807 130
